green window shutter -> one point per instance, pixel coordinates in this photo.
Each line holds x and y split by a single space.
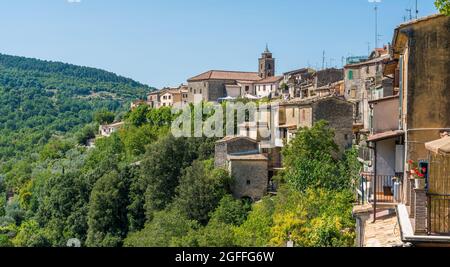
350 75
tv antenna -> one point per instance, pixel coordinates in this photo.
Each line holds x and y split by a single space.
417 10
409 10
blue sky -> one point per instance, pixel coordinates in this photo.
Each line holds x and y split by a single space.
164 42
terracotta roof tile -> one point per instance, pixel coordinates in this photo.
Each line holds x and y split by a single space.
272 79
226 75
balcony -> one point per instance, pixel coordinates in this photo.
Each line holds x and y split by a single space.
383 190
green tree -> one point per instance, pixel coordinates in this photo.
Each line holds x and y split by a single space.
160 117
255 231
231 211
315 218
135 139
86 133
138 116
104 117
215 234
443 6
107 218
166 227
311 160
30 235
200 190
5 242
161 169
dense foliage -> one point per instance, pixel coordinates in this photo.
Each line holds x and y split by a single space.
39 99
443 6
142 187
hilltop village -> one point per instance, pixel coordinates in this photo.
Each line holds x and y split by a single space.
393 106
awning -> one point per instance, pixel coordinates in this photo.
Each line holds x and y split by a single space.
385 135
441 146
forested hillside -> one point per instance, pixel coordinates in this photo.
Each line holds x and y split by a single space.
142 187
39 99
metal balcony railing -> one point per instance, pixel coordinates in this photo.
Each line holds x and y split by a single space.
381 189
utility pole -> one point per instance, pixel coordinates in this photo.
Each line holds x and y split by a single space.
368 48
376 26
323 60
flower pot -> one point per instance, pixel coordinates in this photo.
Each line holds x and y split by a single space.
419 184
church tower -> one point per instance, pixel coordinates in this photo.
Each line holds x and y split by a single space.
266 64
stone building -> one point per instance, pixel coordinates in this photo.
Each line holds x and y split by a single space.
306 112
211 85
305 83
108 129
364 81
268 87
408 126
169 97
218 84
421 54
248 167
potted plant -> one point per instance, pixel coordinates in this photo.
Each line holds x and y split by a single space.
417 174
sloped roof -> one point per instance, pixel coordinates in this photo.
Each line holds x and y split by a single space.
233 138
226 75
433 16
252 157
311 100
272 79
385 135
441 146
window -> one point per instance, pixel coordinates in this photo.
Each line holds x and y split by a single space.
367 70
350 75
247 88
195 91
249 182
201 91
190 89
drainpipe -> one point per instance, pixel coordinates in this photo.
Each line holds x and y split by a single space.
375 180
375 184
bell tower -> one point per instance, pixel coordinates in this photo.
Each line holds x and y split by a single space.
266 64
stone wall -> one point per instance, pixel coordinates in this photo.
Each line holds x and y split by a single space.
251 179
194 89
428 83
339 113
238 145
